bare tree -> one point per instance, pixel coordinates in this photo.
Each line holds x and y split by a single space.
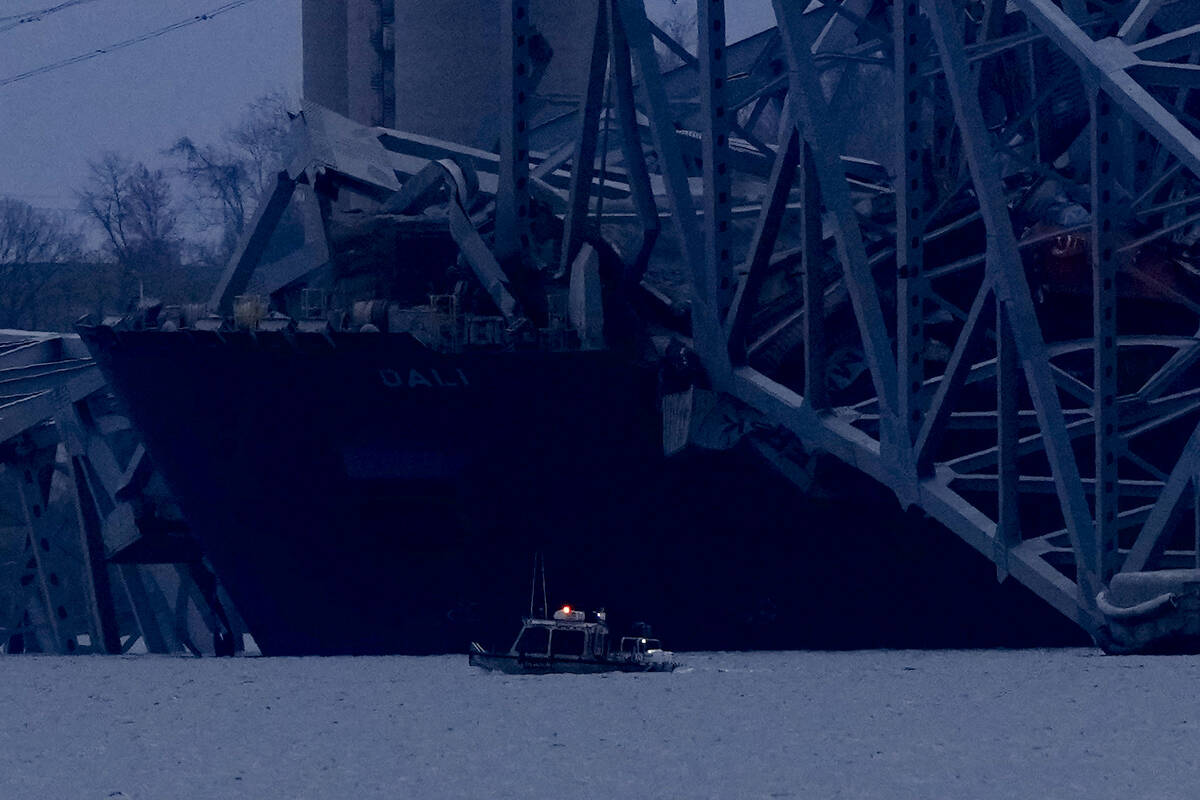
132 205
34 246
679 23
223 191
229 177
263 138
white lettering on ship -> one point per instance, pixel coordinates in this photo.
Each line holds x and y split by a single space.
432 378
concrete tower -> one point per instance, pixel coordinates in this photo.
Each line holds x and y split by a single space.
345 53
430 66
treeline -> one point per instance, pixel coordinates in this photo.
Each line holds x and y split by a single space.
160 231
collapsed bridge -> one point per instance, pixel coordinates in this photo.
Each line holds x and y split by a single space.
1021 286
94 555
950 244
972 273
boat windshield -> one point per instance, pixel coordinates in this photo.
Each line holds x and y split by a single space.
533 641
567 643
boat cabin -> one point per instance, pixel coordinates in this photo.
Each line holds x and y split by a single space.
570 635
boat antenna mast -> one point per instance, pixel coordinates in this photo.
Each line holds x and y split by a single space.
539 562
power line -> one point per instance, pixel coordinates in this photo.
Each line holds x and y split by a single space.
10 21
66 62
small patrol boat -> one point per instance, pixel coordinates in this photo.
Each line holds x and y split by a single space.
573 642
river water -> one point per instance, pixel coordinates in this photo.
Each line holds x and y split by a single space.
866 724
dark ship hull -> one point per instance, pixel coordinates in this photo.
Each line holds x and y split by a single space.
359 493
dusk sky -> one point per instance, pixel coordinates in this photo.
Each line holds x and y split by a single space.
138 100
194 81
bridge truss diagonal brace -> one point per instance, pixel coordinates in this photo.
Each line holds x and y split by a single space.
1134 26
1166 510
32 501
762 243
1005 266
253 244
812 116
75 437
631 142
583 161
1101 68
150 609
952 382
707 330
1182 42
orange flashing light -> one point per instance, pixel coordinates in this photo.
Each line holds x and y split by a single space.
566 610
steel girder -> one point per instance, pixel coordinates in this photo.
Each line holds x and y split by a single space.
512 202
992 208
71 474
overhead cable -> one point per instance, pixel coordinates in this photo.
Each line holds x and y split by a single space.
10 21
145 37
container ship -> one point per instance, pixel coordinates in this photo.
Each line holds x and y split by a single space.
359 493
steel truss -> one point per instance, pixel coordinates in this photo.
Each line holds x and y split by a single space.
951 243
80 568
989 305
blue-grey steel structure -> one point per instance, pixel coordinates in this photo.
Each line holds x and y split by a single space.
91 545
950 243
1068 472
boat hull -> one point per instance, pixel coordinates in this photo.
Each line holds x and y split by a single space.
526 665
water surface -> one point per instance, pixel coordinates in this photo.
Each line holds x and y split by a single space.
866 724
